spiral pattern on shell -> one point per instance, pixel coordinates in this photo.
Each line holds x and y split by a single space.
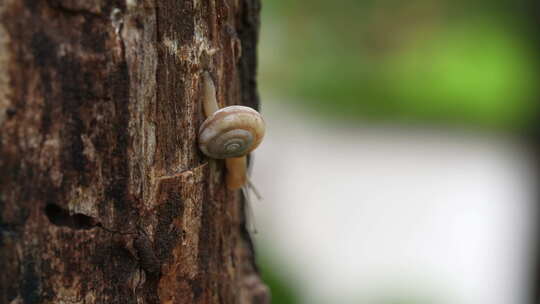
231 132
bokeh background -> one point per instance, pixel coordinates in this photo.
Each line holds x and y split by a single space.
396 167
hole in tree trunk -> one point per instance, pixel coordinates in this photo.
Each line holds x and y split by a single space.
61 217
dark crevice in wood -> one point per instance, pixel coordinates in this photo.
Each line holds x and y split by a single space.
62 218
60 7
146 254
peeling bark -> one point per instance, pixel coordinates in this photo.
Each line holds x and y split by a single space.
104 196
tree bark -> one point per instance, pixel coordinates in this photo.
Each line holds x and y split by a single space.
104 195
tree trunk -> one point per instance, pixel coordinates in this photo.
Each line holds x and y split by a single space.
104 195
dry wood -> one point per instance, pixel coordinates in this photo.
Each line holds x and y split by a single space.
104 196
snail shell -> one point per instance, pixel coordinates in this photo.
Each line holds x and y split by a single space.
231 132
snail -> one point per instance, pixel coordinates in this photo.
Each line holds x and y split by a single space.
230 133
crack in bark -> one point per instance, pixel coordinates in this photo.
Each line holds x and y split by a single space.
99 225
183 173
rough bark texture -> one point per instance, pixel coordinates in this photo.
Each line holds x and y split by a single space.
104 196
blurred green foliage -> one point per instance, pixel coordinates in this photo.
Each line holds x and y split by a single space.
283 289
432 61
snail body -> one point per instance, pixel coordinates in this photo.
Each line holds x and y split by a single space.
230 133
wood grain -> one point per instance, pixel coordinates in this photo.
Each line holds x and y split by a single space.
104 196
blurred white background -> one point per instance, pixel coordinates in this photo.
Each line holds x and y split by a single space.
369 214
